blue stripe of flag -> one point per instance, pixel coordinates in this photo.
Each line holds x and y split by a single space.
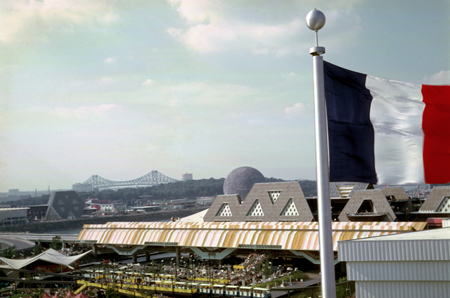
350 132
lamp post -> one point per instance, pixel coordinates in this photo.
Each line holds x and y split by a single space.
315 20
173 275
209 269
113 274
191 262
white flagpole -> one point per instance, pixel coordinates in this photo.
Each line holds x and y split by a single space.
315 20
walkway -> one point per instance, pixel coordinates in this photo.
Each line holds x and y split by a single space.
40 237
19 244
296 286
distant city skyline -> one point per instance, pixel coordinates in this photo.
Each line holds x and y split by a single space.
120 88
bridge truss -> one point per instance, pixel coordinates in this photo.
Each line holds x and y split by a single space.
150 179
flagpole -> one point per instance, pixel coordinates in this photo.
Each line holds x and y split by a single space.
315 20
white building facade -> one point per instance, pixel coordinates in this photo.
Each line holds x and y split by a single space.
410 265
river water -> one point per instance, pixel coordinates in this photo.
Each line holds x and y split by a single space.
76 231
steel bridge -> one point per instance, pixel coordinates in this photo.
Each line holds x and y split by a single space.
97 182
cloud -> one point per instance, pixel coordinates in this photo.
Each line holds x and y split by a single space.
440 78
259 38
175 103
195 11
296 110
213 26
207 95
148 82
198 104
107 80
35 21
86 111
109 60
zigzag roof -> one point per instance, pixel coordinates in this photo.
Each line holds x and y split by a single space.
283 194
50 255
435 198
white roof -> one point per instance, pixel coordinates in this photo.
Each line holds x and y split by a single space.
430 245
261 289
436 234
196 217
50 255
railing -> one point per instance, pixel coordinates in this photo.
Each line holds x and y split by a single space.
120 288
206 279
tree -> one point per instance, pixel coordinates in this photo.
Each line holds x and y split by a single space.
37 250
169 191
39 292
267 268
10 252
341 290
56 243
112 293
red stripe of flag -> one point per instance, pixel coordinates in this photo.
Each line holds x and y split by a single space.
436 128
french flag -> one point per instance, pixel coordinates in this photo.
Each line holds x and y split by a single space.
383 131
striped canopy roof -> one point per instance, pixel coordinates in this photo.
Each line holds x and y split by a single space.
273 235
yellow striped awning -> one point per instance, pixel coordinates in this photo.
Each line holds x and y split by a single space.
275 235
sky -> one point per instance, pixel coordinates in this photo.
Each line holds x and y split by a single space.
119 88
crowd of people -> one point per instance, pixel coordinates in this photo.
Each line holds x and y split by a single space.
251 271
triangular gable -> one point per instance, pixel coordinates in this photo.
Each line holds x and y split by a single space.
256 209
445 205
366 206
225 210
346 189
395 194
290 209
52 214
273 195
233 202
378 200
